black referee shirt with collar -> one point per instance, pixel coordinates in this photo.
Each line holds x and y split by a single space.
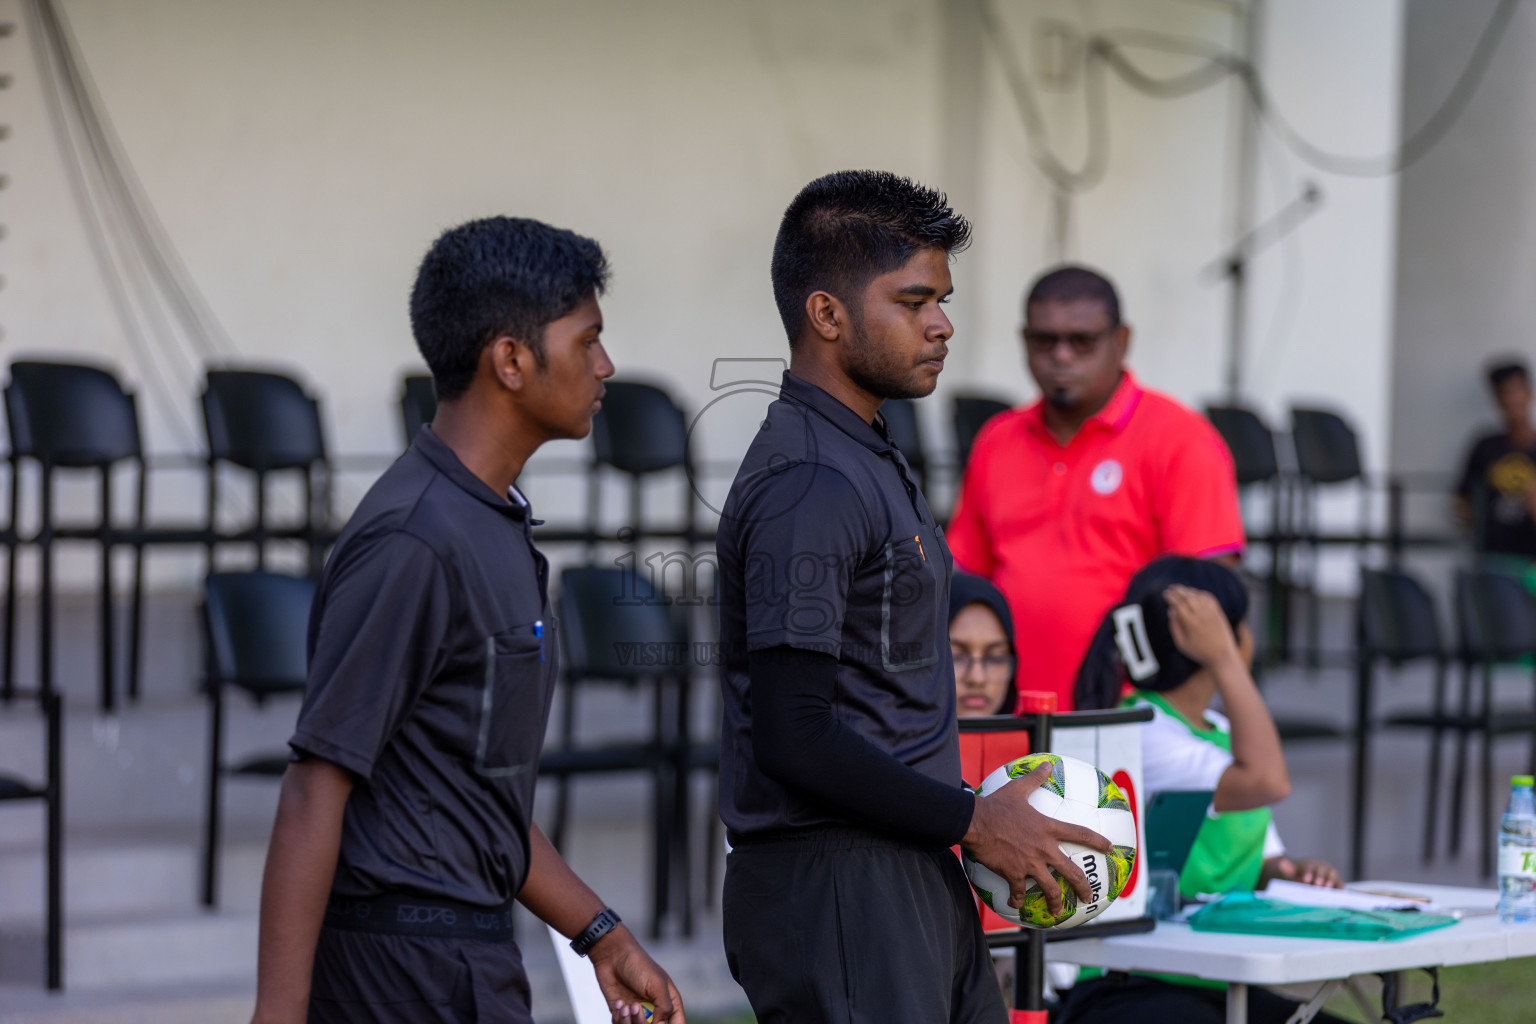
432 662
826 544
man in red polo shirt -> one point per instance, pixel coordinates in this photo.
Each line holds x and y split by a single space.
1064 500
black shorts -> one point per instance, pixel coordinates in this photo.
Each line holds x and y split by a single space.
369 978
844 926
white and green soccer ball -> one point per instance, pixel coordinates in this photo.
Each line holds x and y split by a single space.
1080 794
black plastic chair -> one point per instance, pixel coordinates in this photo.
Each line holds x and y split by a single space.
1496 618
257 633
1327 453
640 431
17 788
267 423
71 416
1251 442
1397 623
418 404
616 628
1254 457
971 413
901 421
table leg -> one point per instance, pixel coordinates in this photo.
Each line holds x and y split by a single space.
1237 1003
1310 1009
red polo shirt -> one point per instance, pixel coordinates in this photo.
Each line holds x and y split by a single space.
1061 529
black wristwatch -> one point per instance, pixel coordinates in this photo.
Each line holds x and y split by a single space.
605 921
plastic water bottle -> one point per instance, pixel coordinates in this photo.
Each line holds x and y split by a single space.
1517 854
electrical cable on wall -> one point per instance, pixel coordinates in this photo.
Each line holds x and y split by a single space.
1108 49
165 319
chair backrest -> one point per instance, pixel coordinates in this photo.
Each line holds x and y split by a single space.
614 625
640 429
1326 449
418 404
1495 615
901 420
971 414
261 421
1251 442
1397 617
258 629
70 414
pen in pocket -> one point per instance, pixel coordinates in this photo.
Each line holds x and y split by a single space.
538 631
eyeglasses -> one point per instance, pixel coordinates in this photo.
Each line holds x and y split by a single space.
991 664
1045 342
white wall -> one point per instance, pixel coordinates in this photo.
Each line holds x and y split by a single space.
303 155
1468 237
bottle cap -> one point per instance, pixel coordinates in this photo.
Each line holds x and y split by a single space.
1523 780
1037 702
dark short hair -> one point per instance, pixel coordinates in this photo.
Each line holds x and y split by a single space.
499 275
845 229
1072 283
1507 369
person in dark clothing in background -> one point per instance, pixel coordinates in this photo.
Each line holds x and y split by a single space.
1496 496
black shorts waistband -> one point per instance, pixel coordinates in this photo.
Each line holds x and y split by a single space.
428 917
815 838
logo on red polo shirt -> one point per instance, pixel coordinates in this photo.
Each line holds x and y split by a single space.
1107 476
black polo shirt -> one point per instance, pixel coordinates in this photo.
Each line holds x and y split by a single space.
826 544
432 661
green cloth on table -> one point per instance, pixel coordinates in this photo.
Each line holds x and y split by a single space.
1247 914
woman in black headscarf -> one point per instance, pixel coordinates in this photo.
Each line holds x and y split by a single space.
981 642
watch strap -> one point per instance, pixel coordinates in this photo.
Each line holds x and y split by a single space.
605 921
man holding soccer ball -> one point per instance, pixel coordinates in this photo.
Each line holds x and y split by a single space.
840 769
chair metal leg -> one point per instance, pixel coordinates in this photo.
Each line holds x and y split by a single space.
211 828
712 840
1432 808
108 629
136 604
661 818
1459 773
563 789
682 830
1488 789
9 682
54 709
1362 759
45 589
261 520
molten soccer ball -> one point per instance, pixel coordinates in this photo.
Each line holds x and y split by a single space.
1078 793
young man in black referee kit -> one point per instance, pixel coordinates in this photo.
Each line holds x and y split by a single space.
405 826
840 765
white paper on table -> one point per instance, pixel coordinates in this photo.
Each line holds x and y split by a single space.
1316 896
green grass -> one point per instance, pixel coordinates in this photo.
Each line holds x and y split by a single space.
1499 993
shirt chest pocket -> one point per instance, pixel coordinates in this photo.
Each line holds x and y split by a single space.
511 725
909 606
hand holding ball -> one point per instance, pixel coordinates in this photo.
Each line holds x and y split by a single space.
1079 794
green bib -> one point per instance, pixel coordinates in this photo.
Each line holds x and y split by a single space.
1228 852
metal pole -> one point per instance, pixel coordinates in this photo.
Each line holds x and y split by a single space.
1029 959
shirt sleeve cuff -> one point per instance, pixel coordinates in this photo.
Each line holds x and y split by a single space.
357 764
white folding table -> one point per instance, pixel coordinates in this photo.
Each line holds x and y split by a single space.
1243 960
